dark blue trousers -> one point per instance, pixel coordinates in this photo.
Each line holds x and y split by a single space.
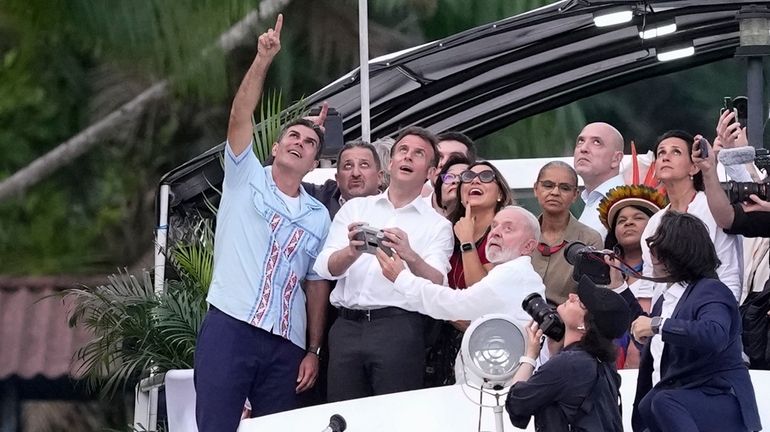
234 361
686 410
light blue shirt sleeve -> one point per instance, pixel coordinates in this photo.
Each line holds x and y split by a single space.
241 169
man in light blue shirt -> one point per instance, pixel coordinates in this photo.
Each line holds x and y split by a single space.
252 344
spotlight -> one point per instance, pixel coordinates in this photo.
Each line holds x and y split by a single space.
489 356
613 16
675 52
658 29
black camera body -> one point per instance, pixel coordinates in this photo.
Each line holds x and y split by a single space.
372 238
544 315
738 192
589 261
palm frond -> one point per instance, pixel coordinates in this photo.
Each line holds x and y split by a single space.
195 260
135 328
271 121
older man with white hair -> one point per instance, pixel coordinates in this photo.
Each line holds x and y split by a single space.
514 234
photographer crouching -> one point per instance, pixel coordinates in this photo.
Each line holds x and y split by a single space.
744 210
578 388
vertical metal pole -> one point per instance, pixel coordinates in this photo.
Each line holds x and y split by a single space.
161 236
363 49
755 91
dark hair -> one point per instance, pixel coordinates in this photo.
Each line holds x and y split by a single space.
559 164
360 144
425 135
452 161
697 179
461 138
595 343
505 190
611 241
682 244
309 124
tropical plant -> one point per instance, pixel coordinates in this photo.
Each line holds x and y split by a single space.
272 120
136 328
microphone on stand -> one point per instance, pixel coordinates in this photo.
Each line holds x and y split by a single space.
336 424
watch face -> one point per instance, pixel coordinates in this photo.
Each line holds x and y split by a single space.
465 247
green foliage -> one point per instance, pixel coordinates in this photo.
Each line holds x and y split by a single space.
546 134
271 121
136 328
153 38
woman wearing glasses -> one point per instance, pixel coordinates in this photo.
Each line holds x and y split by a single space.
445 192
556 190
480 192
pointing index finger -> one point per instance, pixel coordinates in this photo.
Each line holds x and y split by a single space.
467 209
323 113
278 24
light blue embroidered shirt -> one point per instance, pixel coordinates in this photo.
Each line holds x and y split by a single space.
262 252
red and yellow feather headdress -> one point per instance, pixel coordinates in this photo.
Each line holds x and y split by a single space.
620 197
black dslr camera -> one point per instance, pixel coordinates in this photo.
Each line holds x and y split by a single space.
589 261
740 191
544 315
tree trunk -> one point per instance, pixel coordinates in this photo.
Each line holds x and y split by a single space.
100 131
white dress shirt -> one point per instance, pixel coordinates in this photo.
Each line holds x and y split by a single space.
502 290
671 296
590 215
728 247
363 286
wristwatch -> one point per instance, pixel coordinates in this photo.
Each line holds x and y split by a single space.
467 247
313 349
655 324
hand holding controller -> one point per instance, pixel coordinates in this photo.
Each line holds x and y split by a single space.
372 238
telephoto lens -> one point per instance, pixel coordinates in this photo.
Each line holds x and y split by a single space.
544 315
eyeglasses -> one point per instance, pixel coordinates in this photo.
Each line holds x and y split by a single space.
487 176
449 178
563 187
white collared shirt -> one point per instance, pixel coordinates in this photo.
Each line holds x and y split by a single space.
729 250
671 296
363 286
502 290
590 215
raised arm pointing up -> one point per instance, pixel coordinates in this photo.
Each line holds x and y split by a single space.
239 129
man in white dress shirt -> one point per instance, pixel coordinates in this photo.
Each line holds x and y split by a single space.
376 345
598 153
515 234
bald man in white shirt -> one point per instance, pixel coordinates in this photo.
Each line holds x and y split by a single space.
598 153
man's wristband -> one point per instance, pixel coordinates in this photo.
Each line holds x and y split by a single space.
314 349
527 360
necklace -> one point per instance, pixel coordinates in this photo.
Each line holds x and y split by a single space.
547 251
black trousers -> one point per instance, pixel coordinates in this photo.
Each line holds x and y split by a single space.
384 354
